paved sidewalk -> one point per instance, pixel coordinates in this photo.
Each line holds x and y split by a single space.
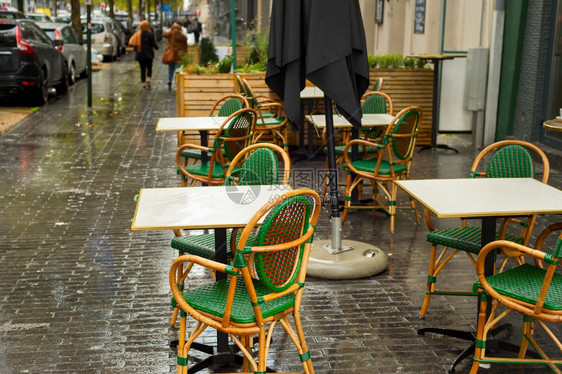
81 293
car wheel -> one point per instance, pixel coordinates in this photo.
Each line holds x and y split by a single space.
42 94
71 75
62 87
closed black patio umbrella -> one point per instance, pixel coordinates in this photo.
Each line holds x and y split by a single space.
322 41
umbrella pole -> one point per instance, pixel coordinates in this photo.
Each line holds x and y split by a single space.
330 259
335 217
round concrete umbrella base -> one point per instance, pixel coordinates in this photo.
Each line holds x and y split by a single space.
364 260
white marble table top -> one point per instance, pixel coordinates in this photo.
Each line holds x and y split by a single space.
201 207
368 120
190 123
484 197
312 92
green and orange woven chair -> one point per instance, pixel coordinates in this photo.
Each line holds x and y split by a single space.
532 290
371 103
391 162
257 164
223 107
234 135
272 124
245 305
378 84
505 159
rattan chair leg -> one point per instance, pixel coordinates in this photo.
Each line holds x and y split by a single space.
392 205
430 286
303 349
480 349
527 330
262 353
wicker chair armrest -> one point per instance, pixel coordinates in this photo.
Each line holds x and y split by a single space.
363 143
542 237
178 297
179 162
278 247
498 244
193 146
272 296
523 307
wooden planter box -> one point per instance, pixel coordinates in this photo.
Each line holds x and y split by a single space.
406 88
197 93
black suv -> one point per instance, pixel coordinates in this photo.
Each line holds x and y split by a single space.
30 63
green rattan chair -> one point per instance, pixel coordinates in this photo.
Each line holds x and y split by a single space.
243 305
233 136
256 101
223 107
506 159
257 164
391 162
371 103
272 123
378 84
533 290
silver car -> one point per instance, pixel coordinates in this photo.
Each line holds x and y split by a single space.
103 38
72 47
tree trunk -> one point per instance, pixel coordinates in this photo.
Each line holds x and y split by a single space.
111 6
21 6
141 17
130 9
75 16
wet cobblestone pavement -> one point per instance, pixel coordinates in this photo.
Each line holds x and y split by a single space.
81 292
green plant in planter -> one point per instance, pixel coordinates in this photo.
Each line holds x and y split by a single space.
225 64
208 55
394 61
258 45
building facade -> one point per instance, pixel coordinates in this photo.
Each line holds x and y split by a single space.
523 40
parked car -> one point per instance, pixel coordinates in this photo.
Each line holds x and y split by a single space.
121 36
126 23
8 12
30 63
39 17
63 18
72 48
103 38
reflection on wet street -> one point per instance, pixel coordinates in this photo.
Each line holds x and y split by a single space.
81 292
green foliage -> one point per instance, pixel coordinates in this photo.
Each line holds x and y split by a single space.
208 55
258 45
225 64
252 68
394 61
200 69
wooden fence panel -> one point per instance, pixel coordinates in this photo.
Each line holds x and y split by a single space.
197 93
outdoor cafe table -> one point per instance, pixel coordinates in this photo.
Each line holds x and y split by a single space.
210 207
368 120
486 199
307 95
553 124
202 124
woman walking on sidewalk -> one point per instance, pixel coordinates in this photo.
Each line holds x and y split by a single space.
177 46
145 54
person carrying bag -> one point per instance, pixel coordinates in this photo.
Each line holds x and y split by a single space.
177 47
